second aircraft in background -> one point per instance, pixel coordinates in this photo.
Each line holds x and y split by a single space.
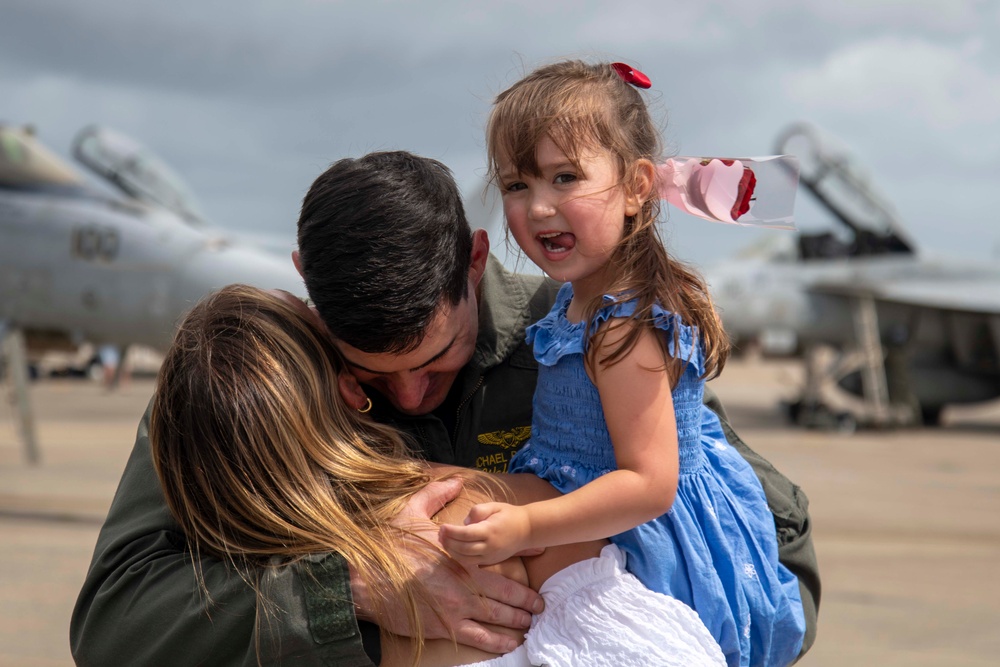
910 333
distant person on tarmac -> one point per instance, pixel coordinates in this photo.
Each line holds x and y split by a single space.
111 358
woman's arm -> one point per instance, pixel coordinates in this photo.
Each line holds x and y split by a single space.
638 407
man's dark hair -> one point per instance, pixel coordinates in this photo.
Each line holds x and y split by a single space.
383 243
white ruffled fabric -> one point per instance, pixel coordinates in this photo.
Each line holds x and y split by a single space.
597 614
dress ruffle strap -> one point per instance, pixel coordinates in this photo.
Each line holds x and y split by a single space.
554 336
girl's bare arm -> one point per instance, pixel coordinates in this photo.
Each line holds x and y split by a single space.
638 408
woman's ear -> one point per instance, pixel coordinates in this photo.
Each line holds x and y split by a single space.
351 391
640 188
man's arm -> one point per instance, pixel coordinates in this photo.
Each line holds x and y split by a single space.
790 508
141 603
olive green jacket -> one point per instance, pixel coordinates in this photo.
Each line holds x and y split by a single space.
141 603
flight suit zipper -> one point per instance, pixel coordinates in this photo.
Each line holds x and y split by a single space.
461 406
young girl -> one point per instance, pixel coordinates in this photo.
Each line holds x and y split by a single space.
624 354
263 462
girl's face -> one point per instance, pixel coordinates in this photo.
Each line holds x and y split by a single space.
568 220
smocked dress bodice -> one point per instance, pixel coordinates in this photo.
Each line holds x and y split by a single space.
716 548
568 419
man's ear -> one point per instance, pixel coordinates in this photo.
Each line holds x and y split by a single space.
297 261
351 391
480 253
641 187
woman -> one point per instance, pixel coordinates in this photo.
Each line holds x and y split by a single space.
262 463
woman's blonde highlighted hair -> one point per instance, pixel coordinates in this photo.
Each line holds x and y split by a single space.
584 107
259 456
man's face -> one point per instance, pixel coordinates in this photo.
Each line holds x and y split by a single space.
418 381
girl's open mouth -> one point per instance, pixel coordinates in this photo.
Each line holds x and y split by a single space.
557 241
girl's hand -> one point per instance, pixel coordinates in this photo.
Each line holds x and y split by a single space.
493 532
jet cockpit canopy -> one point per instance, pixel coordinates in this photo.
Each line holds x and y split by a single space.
839 183
136 171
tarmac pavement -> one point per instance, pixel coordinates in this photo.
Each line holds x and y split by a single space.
906 523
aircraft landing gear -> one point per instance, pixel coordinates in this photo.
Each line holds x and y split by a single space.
15 352
880 368
821 416
930 415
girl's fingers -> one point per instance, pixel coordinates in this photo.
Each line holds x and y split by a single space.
464 549
471 533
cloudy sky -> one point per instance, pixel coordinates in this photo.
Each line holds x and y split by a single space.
250 100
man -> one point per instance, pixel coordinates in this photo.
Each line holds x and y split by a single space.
433 327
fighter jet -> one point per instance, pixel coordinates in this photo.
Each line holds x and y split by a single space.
909 333
81 263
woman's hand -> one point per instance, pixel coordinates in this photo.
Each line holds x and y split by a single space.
493 532
502 602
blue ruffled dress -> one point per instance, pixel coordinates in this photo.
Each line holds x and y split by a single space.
716 548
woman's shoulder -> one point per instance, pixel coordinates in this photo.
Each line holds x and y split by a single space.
480 487
520 489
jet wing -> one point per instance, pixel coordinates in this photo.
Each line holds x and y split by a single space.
966 295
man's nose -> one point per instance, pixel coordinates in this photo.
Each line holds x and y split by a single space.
409 390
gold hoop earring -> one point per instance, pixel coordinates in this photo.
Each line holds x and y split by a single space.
368 406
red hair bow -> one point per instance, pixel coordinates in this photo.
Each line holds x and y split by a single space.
633 76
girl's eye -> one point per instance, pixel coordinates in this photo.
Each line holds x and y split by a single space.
565 178
514 187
